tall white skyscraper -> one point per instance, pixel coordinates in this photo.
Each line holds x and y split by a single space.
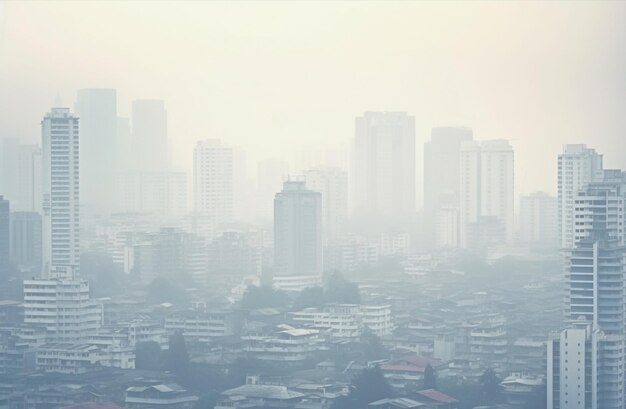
332 183
383 166
298 260
538 219
213 184
60 186
577 166
97 110
486 192
150 150
441 181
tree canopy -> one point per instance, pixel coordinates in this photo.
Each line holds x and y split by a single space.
263 297
430 378
369 386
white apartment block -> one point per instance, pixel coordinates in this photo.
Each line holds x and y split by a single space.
347 320
60 188
63 307
287 345
585 370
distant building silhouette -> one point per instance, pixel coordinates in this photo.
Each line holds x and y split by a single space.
441 183
383 167
486 192
97 110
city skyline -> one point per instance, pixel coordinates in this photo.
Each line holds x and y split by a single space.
567 98
320 205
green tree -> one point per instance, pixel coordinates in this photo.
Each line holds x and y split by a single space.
490 389
106 277
340 290
263 297
309 297
207 401
177 357
430 378
148 356
369 386
373 348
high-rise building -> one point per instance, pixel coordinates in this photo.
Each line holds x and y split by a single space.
213 183
332 183
63 307
298 260
486 192
150 150
538 219
586 368
383 167
5 235
441 180
26 240
577 166
600 206
60 186
97 110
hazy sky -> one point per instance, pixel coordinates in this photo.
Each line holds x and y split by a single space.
275 77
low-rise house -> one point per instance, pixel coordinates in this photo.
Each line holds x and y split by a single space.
170 396
285 344
253 395
406 372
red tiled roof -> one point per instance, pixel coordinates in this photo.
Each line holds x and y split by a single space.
435 395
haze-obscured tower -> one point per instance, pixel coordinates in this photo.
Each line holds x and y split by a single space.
61 193
298 260
26 241
332 183
97 110
577 166
213 180
538 219
271 173
20 174
441 182
149 133
486 192
383 167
